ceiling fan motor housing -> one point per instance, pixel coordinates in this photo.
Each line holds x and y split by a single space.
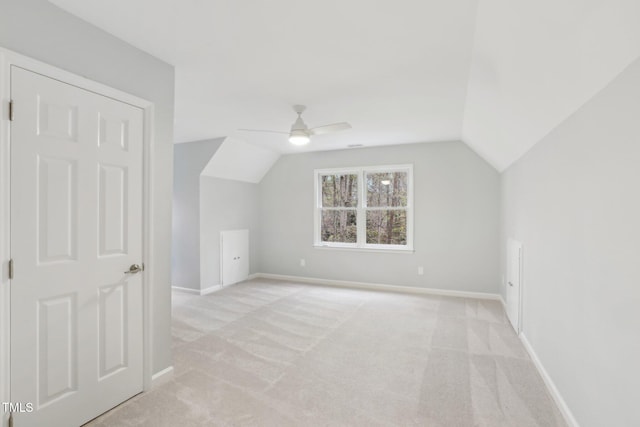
299 124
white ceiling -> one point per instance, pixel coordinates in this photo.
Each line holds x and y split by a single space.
398 71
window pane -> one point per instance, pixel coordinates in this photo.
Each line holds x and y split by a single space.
387 227
387 189
339 226
339 191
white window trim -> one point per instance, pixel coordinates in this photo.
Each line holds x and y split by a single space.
361 209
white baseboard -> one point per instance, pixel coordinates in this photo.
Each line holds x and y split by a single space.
205 291
186 290
161 377
553 390
378 286
209 290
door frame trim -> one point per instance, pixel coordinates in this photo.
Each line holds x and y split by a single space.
8 59
518 243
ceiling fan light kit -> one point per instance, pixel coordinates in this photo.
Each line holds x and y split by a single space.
299 137
300 134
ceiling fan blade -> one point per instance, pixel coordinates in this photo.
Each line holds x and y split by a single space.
335 127
263 130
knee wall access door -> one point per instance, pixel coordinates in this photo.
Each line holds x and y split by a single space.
234 256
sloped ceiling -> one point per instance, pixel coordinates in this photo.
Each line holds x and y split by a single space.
536 62
498 74
239 161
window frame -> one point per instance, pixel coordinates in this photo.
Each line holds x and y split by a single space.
362 208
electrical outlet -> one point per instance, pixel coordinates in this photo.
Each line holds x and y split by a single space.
420 271
303 262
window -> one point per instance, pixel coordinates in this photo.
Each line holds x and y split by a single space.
364 208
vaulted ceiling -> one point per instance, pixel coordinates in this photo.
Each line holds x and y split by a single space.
496 74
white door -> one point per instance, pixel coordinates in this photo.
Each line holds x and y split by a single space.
234 260
76 226
514 271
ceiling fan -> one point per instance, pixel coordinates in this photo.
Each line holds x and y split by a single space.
300 133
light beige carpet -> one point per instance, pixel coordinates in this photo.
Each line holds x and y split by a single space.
268 353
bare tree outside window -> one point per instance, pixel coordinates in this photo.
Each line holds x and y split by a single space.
339 203
386 208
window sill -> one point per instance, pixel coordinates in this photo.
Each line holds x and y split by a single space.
370 250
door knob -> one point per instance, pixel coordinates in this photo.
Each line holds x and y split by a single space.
510 284
135 268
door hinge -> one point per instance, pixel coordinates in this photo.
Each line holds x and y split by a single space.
10 110
11 269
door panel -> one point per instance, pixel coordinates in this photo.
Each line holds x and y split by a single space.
57 340
60 122
113 210
113 341
57 207
113 132
76 227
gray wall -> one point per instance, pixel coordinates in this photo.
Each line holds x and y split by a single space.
42 31
574 203
189 160
225 205
456 220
